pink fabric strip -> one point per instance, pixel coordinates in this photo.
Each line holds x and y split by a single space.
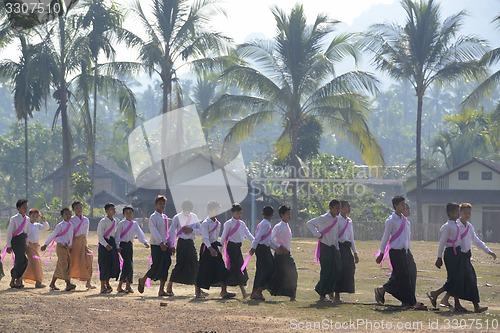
167 235
465 232
454 241
181 230
229 234
4 253
325 231
392 239
106 234
245 263
217 224
148 280
124 232
18 231
75 231
345 227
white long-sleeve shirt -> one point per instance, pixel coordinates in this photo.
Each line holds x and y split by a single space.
67 238
470 238
84 229
392 225
34 231
208 225
449 232
348 235
262 229
130 235
239 235
282 236
104 225
180 221
14 223
320 223
158 228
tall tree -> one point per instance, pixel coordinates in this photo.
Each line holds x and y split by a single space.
291 80
29 91
177 31
425 50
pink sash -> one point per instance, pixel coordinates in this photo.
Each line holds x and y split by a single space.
124 232
75 231
229 234
217 224
106 234
454 241
247 259
462 236
325 231
18 231
345 227
62 233
165 217
392 239
181 230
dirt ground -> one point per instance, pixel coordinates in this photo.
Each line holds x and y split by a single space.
42 310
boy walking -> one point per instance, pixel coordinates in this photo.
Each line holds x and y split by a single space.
63 236
235 231
325 228
261 246
126 232
17 232
185 226
81 255
212 271
345 284
109 264
161 248
284 279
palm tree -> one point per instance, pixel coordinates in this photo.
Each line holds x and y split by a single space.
291 80
28 88
176 32
490 58
425 50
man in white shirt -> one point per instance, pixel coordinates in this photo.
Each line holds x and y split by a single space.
16 242
284 280
325 228
396 239
468 236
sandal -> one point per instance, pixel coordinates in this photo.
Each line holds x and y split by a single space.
432 299
480 310
228 295
379 298
54 288
169 293
140 285
461 310
121 291
129 291
420 307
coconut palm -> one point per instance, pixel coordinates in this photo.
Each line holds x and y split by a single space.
175 32
28 89
291 80
425 50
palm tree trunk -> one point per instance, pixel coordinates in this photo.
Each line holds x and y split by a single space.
420 96
295 174
26 165
66 142
94 143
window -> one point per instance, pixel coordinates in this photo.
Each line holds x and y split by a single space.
486 175
463 175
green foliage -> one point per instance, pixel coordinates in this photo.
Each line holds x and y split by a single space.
50 208
81 183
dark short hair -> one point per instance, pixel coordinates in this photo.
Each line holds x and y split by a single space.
268 211
283 209
187 205
160 197
396 200
21 202
65 209
127 207
212 204
451 207
334 203
236 207
109 205
344 203
75 203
